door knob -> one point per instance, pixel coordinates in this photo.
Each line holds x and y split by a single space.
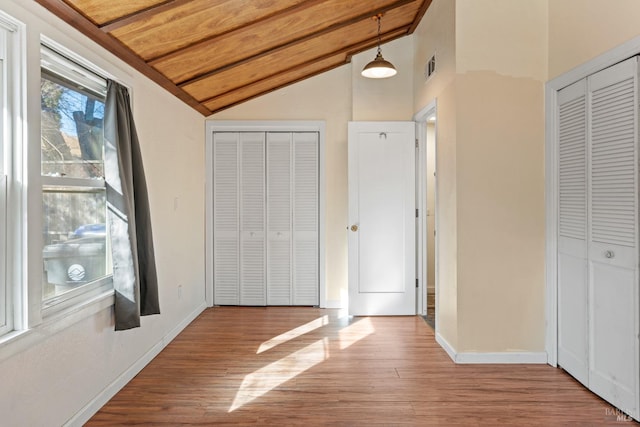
609 254
354 228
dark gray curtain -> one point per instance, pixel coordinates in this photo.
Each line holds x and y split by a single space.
134 269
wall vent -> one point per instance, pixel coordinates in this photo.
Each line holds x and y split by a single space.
430 67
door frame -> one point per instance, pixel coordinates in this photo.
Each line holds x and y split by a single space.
605 60
420 119
212 126
381 127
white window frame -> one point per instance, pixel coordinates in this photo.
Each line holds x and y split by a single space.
58 60
12 154
6 309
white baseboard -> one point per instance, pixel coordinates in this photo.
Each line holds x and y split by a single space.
506 357
89 410
446 346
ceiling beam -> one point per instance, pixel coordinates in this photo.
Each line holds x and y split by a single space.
114 24
85 26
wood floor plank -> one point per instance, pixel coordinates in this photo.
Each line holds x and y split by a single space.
305 366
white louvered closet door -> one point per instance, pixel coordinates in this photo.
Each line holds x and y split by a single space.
613 235
279 215
305 218
252 219
598 296
226 244
266 218
572 239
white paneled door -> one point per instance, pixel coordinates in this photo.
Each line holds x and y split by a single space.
598 297
381 227
266 218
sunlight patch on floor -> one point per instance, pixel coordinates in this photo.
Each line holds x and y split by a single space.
262 381
355 332
293 333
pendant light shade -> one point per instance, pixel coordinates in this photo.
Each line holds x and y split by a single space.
379 68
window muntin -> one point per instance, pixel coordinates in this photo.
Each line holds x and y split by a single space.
76 256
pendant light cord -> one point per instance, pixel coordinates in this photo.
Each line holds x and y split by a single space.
379 18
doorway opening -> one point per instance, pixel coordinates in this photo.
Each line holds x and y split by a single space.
426 201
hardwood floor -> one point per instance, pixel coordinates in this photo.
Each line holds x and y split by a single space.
306 366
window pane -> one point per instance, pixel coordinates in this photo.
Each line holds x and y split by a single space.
75 243
71 138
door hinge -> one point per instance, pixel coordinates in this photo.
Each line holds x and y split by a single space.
416 283
417 213
417 143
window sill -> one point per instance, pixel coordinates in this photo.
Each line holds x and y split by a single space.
19 341
76 299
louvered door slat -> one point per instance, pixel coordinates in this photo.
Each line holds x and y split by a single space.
279 218
613 174
305 218
573 168
225 219
252 219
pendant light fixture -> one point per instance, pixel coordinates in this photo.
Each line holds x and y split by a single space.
379 68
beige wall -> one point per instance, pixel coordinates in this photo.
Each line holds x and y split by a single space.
492 142
47 382
436 35
384 99
490 169
501 56
505 36
580 30
500 174
493 59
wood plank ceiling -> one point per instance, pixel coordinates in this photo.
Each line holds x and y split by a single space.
214 54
